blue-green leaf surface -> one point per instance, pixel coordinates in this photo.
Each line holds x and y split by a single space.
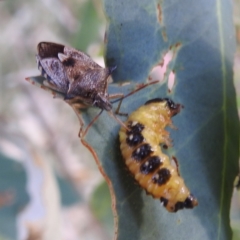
206 142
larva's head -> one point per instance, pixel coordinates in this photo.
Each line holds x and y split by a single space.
189 202
173 107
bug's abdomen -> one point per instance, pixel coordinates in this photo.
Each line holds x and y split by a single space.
143 156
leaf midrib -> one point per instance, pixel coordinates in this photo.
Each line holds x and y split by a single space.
224 80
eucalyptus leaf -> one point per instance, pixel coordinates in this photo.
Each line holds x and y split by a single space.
206 142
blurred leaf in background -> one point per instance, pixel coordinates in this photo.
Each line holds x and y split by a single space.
13 195
61 172
92 26
100 204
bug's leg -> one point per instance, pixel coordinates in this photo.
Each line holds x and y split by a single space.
78 113
118 120
118 108
116 95
121 96
51 86
140 87
77 106
83 133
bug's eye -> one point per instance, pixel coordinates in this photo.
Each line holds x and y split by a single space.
88 94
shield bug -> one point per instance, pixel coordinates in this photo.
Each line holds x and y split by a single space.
140 147
81 81
75 74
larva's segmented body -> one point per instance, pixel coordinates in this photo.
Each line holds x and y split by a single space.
140 146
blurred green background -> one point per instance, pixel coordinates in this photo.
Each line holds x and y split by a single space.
50 187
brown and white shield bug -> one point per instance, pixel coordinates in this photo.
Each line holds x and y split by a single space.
75 74
81 81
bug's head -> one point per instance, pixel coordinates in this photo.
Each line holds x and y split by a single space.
102 102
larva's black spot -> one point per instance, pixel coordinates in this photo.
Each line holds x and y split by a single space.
141 152
134 139
190 201
162 176
178 206
164 201
135 128
171 104
150 165
154 100
165 146
175 108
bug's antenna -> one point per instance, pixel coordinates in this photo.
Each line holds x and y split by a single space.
117 119
134 91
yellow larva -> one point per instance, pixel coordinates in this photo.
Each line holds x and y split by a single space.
140 146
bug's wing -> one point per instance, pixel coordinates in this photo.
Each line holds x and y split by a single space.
72 72
86 78
75 63
82 58
91 81
91 87
53 70
49 50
